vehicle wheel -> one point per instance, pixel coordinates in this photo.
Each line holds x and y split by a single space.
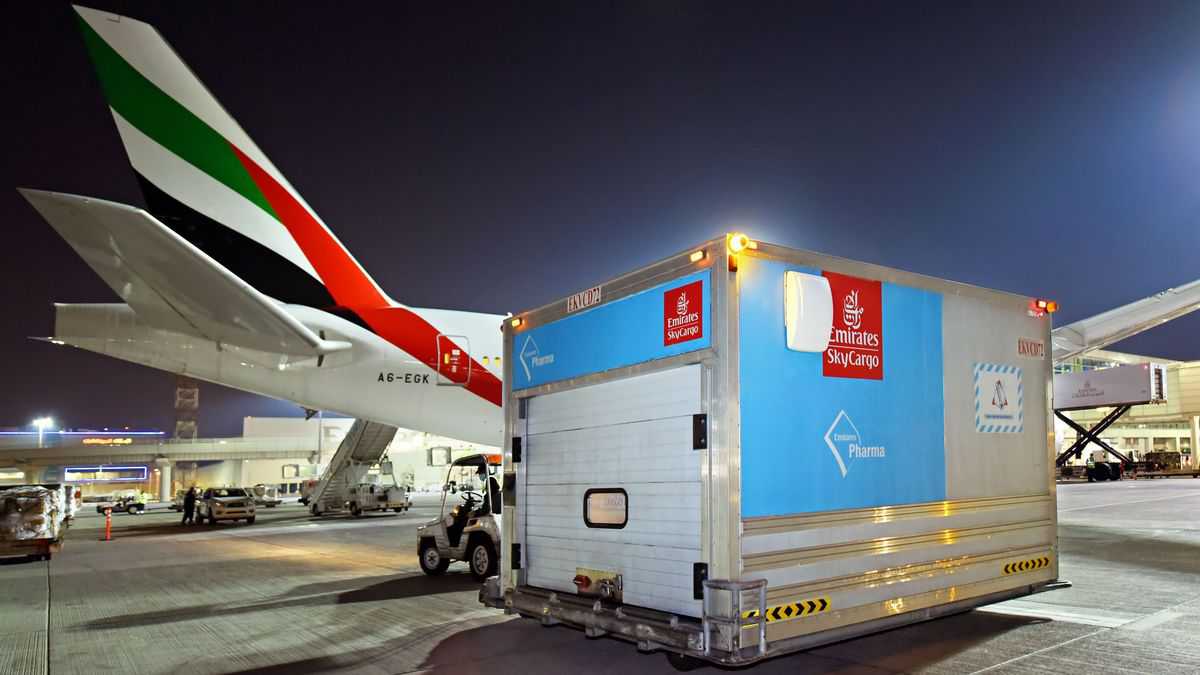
397 510
212 520
432 561
683 662
1102 472
137 509
250 520
355 511
482 559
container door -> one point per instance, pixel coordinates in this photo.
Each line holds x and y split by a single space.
613 484
454 359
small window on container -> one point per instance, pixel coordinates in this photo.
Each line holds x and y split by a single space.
606 507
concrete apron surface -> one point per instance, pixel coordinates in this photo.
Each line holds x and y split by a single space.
294 594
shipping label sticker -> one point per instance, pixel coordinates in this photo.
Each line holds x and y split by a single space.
683 313
856 341
999 399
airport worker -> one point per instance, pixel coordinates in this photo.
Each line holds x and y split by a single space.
189 507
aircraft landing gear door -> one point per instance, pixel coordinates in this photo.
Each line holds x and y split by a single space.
454 360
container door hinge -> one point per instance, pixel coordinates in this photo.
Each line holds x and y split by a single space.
700 432
516 556
699 575
516 449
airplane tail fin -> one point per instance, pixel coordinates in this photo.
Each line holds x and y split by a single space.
204 177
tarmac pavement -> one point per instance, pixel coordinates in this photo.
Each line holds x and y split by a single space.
296 594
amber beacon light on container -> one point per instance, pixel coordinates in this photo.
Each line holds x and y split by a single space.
1042 307
738 242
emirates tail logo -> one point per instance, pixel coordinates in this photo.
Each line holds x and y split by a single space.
681 305
999 398
852 311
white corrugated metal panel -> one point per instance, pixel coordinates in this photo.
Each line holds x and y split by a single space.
634 434
669 393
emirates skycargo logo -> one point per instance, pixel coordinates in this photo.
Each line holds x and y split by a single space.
852 311
856 340
683 313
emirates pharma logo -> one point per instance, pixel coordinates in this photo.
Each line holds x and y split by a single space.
847 445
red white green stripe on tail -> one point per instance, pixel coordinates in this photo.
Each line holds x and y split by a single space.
205 178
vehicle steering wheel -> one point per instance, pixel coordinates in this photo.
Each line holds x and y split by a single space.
466 496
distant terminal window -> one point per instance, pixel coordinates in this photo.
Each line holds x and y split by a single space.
105 474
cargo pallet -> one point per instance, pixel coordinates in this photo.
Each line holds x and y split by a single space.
36 549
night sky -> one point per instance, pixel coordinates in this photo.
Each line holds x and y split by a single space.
481 158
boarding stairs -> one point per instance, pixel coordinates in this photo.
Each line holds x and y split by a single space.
362 448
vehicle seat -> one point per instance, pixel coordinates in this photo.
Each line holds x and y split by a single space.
460 517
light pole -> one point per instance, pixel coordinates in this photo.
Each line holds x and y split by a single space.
42 423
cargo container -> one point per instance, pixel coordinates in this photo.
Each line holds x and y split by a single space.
745 450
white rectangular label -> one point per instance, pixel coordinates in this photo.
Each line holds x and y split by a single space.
999 399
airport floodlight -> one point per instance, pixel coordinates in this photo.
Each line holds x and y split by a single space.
41 424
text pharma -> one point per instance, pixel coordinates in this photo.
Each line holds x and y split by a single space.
857 450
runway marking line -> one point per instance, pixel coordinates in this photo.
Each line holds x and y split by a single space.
1135 501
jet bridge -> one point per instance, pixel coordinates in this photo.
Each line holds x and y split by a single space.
362 448
1101 330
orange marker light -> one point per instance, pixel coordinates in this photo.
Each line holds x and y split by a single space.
738 242
696 256
515 323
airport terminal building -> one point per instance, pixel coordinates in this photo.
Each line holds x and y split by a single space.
275 451
285 452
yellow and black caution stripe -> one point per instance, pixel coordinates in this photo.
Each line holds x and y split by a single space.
793 610
1027 565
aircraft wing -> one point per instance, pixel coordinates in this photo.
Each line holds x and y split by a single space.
1103 329
169 283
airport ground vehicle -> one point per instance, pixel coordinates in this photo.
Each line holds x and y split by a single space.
132 502
366 497
264 495
468 527
225 503
745 450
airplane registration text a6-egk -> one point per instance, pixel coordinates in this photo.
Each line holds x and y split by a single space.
229 276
